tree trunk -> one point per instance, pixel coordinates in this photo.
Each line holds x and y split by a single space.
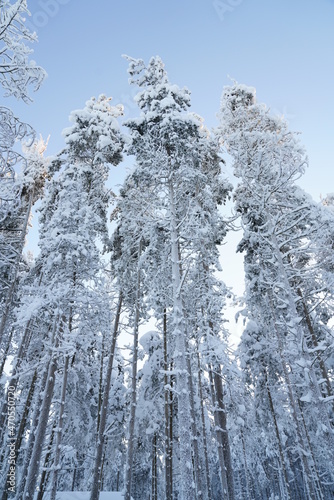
218 430
14 377
187 484
248 489
34 466
32 434
36 416
217 378
154 469
314 386
313 465
10 292
168 416
19 435
205 444
104 407
201 490
301 444
59 431
278 437
99 406
315 344
42 483
130 450
4 359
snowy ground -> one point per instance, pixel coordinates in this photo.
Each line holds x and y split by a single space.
85 495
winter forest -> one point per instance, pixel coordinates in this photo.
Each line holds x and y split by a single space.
117 372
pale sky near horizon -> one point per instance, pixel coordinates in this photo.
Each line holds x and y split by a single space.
282 48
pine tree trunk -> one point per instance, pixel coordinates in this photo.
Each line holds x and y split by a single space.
201 490
6 350
171 432
36 416
168 416
14 377
223 430
34 466
218 430
99 405
205 444
322 365
59 432
40 434
10 292
313 465
104 407
43 480
154 469
278 437
314 386
301 444
32 434
22 426
187 484
19 435
131 436
248 488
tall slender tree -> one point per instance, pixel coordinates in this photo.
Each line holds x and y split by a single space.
177 198
278 227
73 220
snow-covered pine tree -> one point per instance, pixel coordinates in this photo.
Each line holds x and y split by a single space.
21 185
277 222
27 188
17 74
17 195
73 221
176 198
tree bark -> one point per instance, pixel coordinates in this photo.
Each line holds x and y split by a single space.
217 378
168 416
34 466
201 490
154 469
218 430
278 437
59 431
104 407
43 481
130 450
10 292
187 483
205 444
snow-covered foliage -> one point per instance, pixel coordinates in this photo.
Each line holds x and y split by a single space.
285 287
172 413
169 204
17 71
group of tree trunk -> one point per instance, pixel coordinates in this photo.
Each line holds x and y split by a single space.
115 356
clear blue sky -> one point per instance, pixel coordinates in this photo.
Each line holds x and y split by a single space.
283 48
